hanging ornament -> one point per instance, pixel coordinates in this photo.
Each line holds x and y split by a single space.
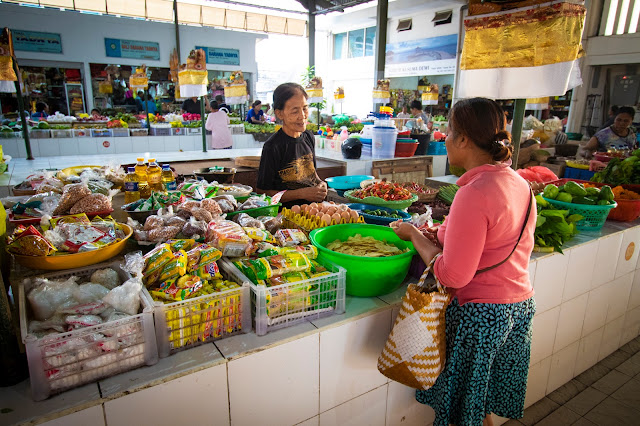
381 94
235 89
192 77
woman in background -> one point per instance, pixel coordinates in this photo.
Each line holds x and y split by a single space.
218 124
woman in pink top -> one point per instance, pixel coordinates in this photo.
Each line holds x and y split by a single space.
482 258
218 124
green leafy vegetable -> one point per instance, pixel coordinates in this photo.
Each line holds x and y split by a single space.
554 227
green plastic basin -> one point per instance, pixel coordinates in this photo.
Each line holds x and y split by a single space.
366 276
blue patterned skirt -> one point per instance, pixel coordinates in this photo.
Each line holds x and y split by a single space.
487 364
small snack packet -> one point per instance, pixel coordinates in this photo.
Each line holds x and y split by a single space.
310 250
257 234
157 257
174 268
291 237
29 242
209 271
183 244
169 290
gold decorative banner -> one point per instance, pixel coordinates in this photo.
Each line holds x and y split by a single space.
6 69
138 82
193 77
529 37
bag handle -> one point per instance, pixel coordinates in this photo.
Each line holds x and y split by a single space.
425 274
526 220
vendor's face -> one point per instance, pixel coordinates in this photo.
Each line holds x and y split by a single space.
294 114
452 144
257 107
622 121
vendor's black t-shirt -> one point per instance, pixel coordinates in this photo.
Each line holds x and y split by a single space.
191 107
288 163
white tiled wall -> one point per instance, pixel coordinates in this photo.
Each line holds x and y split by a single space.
368 409
562 366
90 416
570 322
537 381
611 337
404 410
551 272
629 249
608 253
619 291
544 333
596 313
588 350
582 260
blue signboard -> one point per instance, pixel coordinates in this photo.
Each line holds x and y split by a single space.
34 41
132 49
217 55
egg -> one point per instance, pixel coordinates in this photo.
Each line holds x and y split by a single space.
313 211
354 214
342 207
295 209
326 219
313 205
331 210
336 217
345 215
305 208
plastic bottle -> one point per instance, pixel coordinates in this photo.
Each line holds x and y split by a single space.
344 134
131 186
143 185
154 176
168 181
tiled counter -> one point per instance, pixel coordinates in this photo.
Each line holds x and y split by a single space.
324 372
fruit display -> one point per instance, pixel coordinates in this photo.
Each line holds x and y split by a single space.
116 124
190 117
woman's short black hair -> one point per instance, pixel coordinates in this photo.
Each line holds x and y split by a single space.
215 105
416 105
284 92
627 110
40 106
256 103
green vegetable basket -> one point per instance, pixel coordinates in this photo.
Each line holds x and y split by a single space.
594 216
377 201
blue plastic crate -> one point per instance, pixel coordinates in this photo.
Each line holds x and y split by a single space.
437 148
573 173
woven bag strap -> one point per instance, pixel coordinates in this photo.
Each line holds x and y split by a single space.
428 270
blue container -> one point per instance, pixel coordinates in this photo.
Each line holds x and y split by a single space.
437 148
573 173
366 141
346 182
377 220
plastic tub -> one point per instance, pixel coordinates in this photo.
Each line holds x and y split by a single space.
270 210
574 173
120 132
366 276
406 149
383 142
594 216
289 304
626 211
67 360
377 220
346 182
377 201
192 322
436 148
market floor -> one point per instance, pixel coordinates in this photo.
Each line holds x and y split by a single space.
606 394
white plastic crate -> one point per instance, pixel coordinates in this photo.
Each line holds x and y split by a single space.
192 322
40 133
236 129
62 361
9 135
177 131
82 133
285 305
194 130
62 133
161 131
120 132
101 133
138 132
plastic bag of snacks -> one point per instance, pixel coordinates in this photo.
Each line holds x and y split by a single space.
229 238
291 237
29 242
266 267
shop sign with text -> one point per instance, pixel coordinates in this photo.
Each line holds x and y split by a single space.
132 49
217 55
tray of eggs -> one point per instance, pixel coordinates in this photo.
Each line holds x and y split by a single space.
318 215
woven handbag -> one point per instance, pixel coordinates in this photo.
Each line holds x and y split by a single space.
415 350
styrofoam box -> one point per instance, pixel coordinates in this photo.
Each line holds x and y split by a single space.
178 131
62 133
101 133
120 132
192 322
62 361
194 130
285 305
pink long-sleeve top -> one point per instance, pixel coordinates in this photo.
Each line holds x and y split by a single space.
483 225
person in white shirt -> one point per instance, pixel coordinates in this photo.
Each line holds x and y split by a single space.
218 124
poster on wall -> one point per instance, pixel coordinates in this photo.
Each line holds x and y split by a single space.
35 41
427 56
132 49
217 55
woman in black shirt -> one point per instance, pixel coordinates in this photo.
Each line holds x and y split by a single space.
288 161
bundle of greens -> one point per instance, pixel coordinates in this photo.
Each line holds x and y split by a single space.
553 227
620 171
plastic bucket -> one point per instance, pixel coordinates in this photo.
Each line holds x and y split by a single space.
423 140
367 131
383 143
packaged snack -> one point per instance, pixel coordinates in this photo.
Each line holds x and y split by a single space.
193 189
263 249
257 234
256 270
163 234
194 229
228 237
80 235
174 268
152 222
176 221
209 271
270 266
271 224
169 290
254 203
247 221
201 255
201 214
71 195
157 257
291 237
75 218
189 205
289 277
77 321
187 281
310 250
316 268
211 206
171 198
29 242
106 277
184 244
227 203
92 203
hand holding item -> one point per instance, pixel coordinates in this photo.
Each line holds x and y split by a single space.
313 193
404 230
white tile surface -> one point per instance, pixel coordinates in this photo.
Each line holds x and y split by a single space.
570 322
276 386
596 314
619 292
314 421
581 263
634 296
404 410
532 271
69 147
537 381
102 149
629 249
50 147
140 144
205 391
22 149
562 367
172 143
544 333
188 143
123 145
368 409
93 416
156 144
611 337
342 348
631 327
608 252
588 351
549 283
87 146
10 146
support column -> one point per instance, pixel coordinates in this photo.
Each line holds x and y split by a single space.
177 28
516 129
312 32
381 40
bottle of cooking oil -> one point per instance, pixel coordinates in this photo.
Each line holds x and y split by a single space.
143 185
131 187
154 176
168 181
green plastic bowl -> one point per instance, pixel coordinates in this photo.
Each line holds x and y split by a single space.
377 201
366 276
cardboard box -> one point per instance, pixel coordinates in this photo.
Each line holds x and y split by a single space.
558 168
